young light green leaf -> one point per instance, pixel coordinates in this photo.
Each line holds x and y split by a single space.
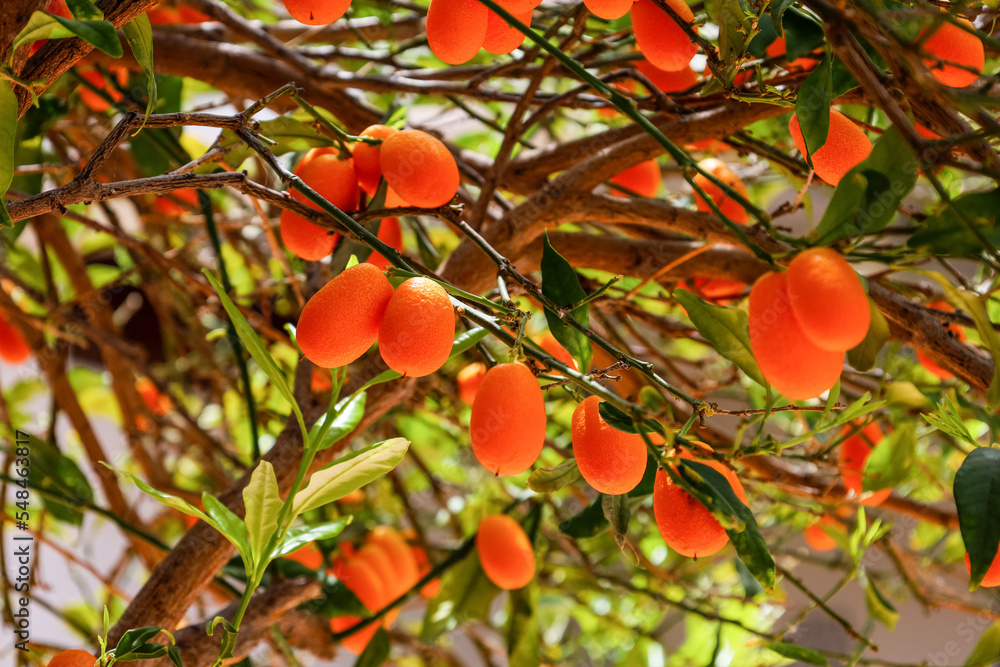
263 504
139 35
879 607
562 286
257 349
726 329
987 649
863 356
231 526
164 498
796 652
299 536
891 461
340 420
977 499
947 419
100 34
547 480
812 107
349 473
8 131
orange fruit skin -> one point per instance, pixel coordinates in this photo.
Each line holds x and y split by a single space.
341 321
420 168
13 348
609 460
157 403
309 555
954 45
417 329
456 30
548 342
502 37
355 497
362 580
685 524
469 379
505 552
643 179
306 239
92 99
399 553
846 146
431 588
507 426
609 9
828 299
367 158
817 538
720 290
337 182
778 47
167 206
191 15
854 453
74 657
956 330
667 81
992 578
628 386
390 233
729 207
317 12
660 39
790 362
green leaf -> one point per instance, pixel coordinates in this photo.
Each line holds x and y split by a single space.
51 470
863 356
843 80
226 522
349 473
338 421
377 651
100 34
257 349
84 10
970 303
712 489
139 35
947 419
946 234
812 107
547 480
288 134
890 462
165 498
977 499
620 421
803 33
523 640
734 26
263 504
887 175
562 286
466 595
726 329
589 522
463 342
8 130
987 649
796 652
778 8
299 536
618 514
229 634
879 607
134 638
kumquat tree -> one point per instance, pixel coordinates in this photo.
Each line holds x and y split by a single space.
500 332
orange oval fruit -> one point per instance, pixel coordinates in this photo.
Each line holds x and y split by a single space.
828 299
507 426
420 168
417 329
362 580
609 460
341 321
456 30
73 657
955 330
548 342
502 37
686 525
952 44
400 554
790 362
505 552
846 146
333 179
729 206
992 578
317 12
95 78
367 158
817 538
13 348
309 555
660 39
854 453
469 379
668 81
390 233
609 9
306 239
644 179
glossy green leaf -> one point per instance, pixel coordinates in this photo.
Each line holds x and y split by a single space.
263 504
338 422
348 473
977 499
8 130
946 234
618 420
562 286
863 356
466 595
547 480
226 522
135 638
100 34
803 33
299 536
891 460
726 329
139 35
778 8
812 107
589 522
713 490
